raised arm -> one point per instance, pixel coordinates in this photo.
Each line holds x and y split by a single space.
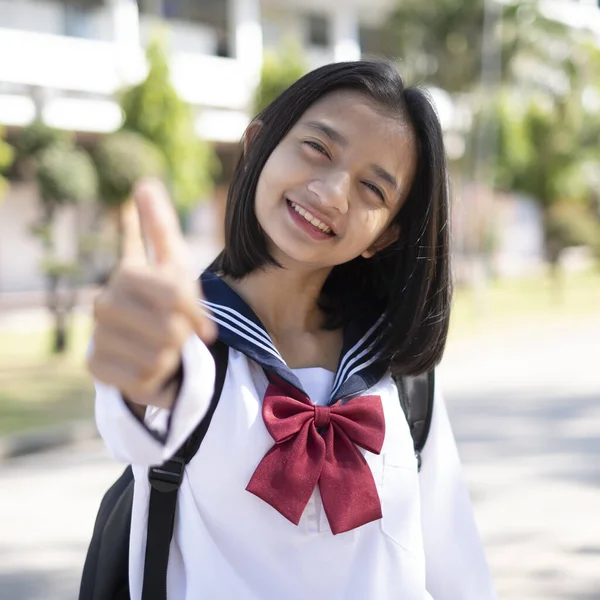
154 375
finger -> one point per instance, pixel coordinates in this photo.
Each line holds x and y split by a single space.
164 297
137 320
201 323
134 250
160 223
151 365
114 373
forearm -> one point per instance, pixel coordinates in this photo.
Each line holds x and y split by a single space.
136 435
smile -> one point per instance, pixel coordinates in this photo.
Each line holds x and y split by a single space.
311 218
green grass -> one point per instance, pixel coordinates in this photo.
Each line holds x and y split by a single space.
38 389
532 302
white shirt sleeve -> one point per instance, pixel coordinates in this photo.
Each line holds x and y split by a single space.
455 561
163 431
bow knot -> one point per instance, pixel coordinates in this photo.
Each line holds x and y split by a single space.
322 416
303 457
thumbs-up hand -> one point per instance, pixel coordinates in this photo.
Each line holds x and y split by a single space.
149 307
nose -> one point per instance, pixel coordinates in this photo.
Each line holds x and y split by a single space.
333 191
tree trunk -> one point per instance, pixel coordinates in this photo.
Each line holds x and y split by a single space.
553 254
60 332
59 337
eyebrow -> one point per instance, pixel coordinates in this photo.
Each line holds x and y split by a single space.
382 174
336 137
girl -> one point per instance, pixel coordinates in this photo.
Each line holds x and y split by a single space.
334 276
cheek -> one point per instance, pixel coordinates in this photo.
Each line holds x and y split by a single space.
280 170
371 225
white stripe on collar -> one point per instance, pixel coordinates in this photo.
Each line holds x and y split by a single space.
343 368
355 370
229 325
241 321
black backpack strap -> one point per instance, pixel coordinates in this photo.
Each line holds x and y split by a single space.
164 486
105 572
416 398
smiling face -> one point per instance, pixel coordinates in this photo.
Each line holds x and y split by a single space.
332 187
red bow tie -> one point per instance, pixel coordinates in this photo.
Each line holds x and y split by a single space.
316 444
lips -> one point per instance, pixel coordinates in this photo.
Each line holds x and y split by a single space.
307 227
311 218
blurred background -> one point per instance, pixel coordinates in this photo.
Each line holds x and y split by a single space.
97 93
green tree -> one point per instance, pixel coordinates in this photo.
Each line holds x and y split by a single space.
65 175
31 142
154 110
280 69
555 165
7 155
441 42
121 160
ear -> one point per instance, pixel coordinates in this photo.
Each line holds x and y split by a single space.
388 237
250 134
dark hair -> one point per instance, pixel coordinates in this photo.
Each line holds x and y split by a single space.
409 280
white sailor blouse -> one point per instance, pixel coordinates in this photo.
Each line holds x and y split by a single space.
306 485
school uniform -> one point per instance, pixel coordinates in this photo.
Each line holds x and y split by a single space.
260 520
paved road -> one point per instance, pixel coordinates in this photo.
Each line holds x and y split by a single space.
526 412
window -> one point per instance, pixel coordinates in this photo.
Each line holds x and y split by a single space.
318 30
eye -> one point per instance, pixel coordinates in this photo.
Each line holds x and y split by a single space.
375 189
316 146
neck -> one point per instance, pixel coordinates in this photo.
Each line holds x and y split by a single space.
284 300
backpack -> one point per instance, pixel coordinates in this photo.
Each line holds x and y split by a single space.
106 569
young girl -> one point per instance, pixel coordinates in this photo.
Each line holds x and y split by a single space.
334 276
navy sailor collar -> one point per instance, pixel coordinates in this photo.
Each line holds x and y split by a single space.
240 328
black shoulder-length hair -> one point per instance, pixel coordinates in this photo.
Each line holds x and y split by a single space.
409 281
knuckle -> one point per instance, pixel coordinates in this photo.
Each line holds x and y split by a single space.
177 331
151 366
101 305
98 370
101 338
127 277
171 295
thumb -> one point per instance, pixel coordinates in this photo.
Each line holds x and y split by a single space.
160 223
200 322
133 250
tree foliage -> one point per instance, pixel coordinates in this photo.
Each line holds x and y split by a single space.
7 155
66 175
154 110
280 69
441 42
544 152
36 137
121 160
523 77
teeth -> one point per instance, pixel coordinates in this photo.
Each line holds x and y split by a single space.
311 218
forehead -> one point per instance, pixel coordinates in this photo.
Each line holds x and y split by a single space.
378 135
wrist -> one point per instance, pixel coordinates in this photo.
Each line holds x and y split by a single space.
164 397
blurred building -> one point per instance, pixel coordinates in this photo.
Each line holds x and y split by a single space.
64 61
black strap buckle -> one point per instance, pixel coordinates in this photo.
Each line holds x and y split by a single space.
167 477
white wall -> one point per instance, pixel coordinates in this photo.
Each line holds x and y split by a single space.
182 36
32 15
50 17
20 254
